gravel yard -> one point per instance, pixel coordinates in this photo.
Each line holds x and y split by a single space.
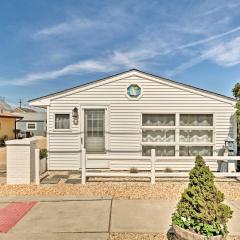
140 236
163 189
151 236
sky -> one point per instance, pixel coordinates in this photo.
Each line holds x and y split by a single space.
48 46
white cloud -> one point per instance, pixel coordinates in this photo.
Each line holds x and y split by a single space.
65 27
76 68
209 39
225 54
186 65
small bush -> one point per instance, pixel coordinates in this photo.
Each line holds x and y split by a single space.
168 170
201 207
133 170
43 153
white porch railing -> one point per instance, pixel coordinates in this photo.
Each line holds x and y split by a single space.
152 172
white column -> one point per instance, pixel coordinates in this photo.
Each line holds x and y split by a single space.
83 165
153 161
37 166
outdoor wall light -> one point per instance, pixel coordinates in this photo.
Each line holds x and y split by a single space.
75 115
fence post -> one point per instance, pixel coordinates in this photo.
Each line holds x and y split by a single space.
153 161
37 166
83 165
231 166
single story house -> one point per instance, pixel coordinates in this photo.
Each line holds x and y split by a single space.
8 126
32 123
129 114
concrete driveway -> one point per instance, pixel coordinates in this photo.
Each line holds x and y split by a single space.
89 219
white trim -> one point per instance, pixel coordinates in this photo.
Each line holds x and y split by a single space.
70 122
31 129
106 133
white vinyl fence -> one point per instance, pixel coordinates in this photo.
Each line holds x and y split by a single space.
153 162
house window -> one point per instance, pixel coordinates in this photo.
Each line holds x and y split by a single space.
62 121
158 132
196 120
196 150
134 91
178 134
196 135
31 126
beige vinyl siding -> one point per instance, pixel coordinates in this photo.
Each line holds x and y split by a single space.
124 115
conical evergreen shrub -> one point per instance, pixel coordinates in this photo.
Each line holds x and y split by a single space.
201 207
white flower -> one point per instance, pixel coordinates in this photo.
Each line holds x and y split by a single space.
184 219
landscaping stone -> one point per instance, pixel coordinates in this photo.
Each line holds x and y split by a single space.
60 176
73 181
50 180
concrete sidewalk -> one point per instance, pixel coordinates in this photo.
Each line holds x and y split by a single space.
94 218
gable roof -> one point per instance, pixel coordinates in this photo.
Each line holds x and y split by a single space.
22 109
140 72
32 116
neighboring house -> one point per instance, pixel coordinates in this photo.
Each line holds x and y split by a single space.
8 125
132 112
24 110
32 123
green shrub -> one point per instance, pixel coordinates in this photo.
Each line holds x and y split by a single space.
201 207
43 153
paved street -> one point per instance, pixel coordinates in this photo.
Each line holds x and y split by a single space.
85 218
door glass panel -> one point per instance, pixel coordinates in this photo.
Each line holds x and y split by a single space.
94 130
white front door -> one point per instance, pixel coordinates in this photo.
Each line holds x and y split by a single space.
94 130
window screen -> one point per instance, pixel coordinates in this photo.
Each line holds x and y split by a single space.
62 121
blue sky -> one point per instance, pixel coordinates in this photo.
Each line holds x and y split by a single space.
47 46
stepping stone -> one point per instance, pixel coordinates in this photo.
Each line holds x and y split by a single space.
50 180
60 177
74 172
73 181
